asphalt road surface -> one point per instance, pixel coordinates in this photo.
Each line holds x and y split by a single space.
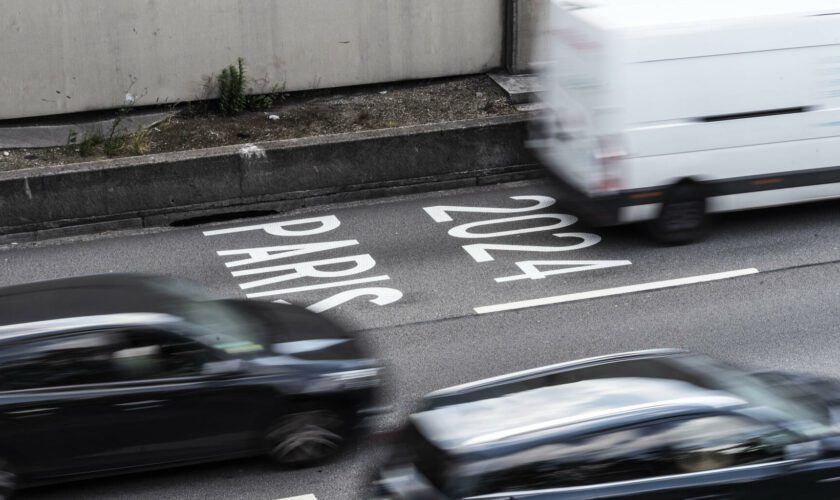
503 279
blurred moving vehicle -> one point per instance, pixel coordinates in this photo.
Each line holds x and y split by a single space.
645 425
666 111
117 373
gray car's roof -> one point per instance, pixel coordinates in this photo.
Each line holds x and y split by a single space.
549 408
558 367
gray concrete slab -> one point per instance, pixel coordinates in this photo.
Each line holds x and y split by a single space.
47 136
520 89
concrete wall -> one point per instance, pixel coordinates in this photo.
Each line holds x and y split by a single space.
61 56
528 18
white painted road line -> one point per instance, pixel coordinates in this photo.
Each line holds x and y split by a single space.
574 297
302 497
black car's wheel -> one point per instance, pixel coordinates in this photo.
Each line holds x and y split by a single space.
682 218
306 438
8 481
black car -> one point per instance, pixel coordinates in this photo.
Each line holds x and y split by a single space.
117 373
659 424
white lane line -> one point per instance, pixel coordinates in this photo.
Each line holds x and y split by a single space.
574 297
302 497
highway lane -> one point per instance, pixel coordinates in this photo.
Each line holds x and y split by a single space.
431 271
788 320
432 336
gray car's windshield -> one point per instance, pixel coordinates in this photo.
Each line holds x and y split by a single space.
808 419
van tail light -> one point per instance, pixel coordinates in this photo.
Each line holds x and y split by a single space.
609 156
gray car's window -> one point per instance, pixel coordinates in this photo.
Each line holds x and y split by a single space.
664 448
808 418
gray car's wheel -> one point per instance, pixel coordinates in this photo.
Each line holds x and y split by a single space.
306 438
8 481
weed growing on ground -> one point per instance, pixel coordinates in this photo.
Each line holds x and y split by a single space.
137 143
115 142
263 102
72 142
233 92
232 100
87 146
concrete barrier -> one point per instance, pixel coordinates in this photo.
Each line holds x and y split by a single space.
154 189
64 56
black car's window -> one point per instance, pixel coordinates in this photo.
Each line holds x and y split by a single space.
100 357
153 354
660 449
69 360
224 328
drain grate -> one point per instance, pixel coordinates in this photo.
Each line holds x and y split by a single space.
222 217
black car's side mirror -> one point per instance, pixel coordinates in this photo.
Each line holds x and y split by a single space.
221 368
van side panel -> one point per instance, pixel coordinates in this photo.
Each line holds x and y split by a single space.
687 89
734 36
772 165
685 121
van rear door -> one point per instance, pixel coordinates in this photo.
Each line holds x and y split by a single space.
578 128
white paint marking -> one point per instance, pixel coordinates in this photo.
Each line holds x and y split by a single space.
381 297
320 286
463 231
532 270
301 497
439 213
574 297
327 223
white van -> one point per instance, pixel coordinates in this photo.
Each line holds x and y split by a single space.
666 110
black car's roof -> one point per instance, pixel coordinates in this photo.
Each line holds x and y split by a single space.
87 296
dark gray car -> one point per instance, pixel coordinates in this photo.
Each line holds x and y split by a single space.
655 425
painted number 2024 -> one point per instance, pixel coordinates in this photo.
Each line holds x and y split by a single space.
531 269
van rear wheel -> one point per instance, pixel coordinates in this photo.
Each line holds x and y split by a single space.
682 218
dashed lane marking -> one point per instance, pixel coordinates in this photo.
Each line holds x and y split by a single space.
574 297
301 497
